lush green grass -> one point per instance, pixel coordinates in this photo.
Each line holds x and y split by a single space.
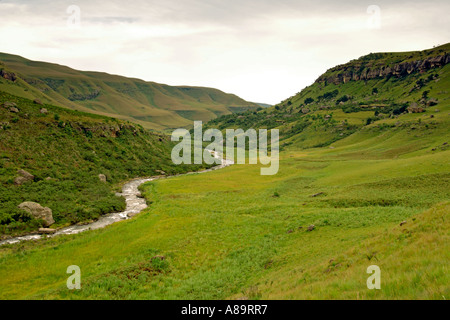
226 234
72 149
233 233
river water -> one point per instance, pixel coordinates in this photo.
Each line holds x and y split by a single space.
135 203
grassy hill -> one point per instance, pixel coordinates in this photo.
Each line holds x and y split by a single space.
373 181
153 105
65 151
383 91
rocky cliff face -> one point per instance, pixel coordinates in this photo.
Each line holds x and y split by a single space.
8 75
355 71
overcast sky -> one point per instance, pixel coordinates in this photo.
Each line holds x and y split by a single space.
261 50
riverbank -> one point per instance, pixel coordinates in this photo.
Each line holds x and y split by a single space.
135 203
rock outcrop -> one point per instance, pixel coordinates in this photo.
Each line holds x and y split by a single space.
8 75
38 212
355 71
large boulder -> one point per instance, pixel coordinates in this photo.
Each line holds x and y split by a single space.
38 212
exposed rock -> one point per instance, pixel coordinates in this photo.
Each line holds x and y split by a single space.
43 111
23 177
8 104
25 174
102 177
161 172
357 71
37 101
403 223
46 231
305 110
38 212
8 75
14 110
18 181
413 108
311 228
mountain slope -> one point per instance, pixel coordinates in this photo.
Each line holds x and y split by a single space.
65 151
405 92
153 105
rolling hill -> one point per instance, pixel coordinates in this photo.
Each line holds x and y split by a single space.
153 105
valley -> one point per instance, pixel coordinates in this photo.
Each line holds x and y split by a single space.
363 180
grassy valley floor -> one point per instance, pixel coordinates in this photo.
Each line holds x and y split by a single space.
234 234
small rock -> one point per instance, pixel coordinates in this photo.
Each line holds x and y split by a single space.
403 223
24 177
38 212
14 110
43 111
37 101
20 181
290 231
46 231
102 177
25 174
311 228
8 104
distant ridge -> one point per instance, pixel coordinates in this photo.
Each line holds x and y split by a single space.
153 105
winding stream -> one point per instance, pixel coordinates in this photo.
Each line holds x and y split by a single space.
134 205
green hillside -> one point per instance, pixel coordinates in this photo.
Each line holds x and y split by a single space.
153 105
378 92
65 151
